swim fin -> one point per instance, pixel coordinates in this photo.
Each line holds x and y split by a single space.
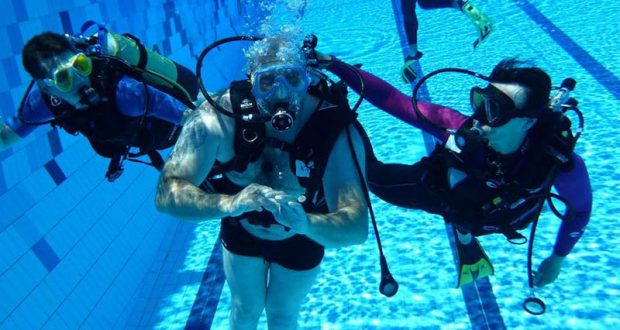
407 71
480 20
473 262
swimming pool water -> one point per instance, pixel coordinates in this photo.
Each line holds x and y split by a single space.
585 296
131 267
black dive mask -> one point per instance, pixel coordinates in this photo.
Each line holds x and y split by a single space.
491 106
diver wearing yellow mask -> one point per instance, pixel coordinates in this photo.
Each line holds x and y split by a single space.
85 89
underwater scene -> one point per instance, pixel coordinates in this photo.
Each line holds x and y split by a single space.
479 131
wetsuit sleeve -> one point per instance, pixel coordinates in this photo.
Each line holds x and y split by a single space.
130 98
387 98
574 185
36 110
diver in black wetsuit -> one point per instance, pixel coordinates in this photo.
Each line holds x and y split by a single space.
481 22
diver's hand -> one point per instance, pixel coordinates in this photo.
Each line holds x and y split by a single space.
251 198
115 170
113 174
323 57
288 212
548 270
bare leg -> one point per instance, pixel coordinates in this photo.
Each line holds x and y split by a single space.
247 280
285 295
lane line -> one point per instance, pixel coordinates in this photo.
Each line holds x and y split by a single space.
587 61
480 301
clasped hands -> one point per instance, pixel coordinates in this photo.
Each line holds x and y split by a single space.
285 209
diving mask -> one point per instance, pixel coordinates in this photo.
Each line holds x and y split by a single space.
491 106
267 83
62 78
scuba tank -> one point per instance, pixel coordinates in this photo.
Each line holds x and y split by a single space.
126 53
114 55
144 64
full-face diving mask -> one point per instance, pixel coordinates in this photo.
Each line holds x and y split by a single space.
64 76
279 88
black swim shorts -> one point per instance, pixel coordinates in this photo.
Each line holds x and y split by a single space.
296 253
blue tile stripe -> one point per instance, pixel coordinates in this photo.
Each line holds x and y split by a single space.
46 254
55 172
167 49
15 38
208 296
11 71
20 10
2 181
54 141
589 63
65 19
480 301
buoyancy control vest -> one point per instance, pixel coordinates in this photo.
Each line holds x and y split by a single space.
109 132
502 195
127 53
308 154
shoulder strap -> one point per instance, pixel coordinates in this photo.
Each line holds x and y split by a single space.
249 137
562 143
335 93
314 144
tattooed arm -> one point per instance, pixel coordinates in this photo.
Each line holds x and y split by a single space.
204 135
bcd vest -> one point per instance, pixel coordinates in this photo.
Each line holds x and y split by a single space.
308 154
503 199
109 132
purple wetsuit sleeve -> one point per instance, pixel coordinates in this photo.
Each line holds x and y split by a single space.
130 98
574 185
35 109
387 98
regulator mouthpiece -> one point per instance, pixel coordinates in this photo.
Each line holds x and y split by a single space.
282 120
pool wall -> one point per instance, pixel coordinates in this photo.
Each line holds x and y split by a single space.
78 251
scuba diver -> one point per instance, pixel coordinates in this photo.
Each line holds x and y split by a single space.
109 88
493 170
278 155
481 22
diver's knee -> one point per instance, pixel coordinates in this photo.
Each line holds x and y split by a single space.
245 315
281 319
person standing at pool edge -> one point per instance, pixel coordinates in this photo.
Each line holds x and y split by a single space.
275 223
